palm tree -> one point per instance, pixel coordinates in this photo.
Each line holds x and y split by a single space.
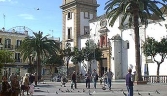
135 11
41 45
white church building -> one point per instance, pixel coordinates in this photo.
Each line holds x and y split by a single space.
81 24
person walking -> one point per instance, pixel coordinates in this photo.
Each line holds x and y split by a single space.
31 78
87 78
11 77
105 78
6 88
73 80
36 78
26 83
95 78
15 87
129 82
109 78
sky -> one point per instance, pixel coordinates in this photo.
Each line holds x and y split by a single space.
37 15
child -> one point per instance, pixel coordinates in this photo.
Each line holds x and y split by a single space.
31 90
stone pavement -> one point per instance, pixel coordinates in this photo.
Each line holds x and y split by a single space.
118 88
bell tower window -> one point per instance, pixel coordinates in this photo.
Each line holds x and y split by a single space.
69 15
86 29
86 15
69 31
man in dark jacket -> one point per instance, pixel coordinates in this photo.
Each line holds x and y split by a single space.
73 80
129 82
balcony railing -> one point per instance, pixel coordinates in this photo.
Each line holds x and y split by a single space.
17 46
155 78
18 60
9 47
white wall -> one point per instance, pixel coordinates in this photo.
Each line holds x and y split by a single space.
84 22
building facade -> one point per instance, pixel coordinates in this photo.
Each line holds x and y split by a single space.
10 40
116 43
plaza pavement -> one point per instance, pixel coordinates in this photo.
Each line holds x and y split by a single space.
118 88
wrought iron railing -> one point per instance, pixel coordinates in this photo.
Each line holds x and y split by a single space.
155 78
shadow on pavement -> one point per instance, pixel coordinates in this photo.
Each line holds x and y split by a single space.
38 91
44 85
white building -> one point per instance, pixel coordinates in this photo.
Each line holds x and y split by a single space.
80 24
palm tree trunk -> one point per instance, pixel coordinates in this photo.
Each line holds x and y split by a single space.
137 46
39 67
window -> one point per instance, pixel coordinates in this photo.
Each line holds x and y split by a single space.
69 15
7 43
86 15
127 45
86 29
18 43
103 40
69 31
17 57
0 40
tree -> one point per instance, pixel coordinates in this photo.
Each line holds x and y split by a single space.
153 48
5 57
41 46
135 11
78 56
67 53
53 61
91 52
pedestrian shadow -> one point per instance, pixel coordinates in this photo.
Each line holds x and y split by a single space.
38 91
44 85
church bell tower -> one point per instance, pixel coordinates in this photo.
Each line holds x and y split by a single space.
76 15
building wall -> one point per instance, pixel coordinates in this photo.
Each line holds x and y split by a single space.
13 36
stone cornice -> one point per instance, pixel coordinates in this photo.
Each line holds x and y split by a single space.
74 3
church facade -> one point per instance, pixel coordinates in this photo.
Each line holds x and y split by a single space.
81 24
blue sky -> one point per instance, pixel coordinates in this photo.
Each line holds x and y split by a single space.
47 19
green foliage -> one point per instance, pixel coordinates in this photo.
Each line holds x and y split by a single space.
152 48
78 56
5 56
40 46
98 54
128 8
54 60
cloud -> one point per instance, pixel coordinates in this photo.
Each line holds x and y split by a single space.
5 0
10 1
27 16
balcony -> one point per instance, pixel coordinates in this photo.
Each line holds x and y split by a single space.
18 60
17 46
104 47
9 47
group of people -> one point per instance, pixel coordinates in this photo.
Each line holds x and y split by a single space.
92 77
107 78
16 85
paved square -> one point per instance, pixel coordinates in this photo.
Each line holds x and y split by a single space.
118 89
